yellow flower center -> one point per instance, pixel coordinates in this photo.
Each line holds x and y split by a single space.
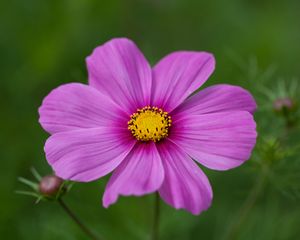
149 123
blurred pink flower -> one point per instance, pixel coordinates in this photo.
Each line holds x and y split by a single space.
144 125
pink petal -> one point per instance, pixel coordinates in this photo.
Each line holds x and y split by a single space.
74 106
87 154
178 75
217 98
185 185
219 141
120 71
140 173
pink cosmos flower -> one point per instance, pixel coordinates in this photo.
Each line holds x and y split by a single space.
146 126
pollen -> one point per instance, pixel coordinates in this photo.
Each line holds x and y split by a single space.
150 124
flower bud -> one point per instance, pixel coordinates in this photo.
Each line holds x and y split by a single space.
50 185
281 105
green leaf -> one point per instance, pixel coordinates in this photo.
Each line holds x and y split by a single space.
35 174
29 183
28 193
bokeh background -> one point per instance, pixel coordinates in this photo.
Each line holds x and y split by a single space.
256 44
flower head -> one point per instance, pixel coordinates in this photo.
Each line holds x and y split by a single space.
143 125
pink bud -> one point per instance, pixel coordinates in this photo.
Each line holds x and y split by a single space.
281 104
50 185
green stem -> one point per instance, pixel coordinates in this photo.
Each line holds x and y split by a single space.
155 229
233 229
71 214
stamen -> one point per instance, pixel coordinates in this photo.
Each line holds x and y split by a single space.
149 124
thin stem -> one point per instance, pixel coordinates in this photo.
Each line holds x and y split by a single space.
254 194
77 220
246 207
156 216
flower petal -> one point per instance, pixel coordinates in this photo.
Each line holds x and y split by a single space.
185 185
219 141
74 106
218 98
87 154
178 75
140 173
120 71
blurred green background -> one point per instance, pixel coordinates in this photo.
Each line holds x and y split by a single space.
256 44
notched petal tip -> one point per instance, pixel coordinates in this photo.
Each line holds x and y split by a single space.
185 185
219 141
113 41
78 106
119 70
139 174
178 75
107 202
82 155
218 98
